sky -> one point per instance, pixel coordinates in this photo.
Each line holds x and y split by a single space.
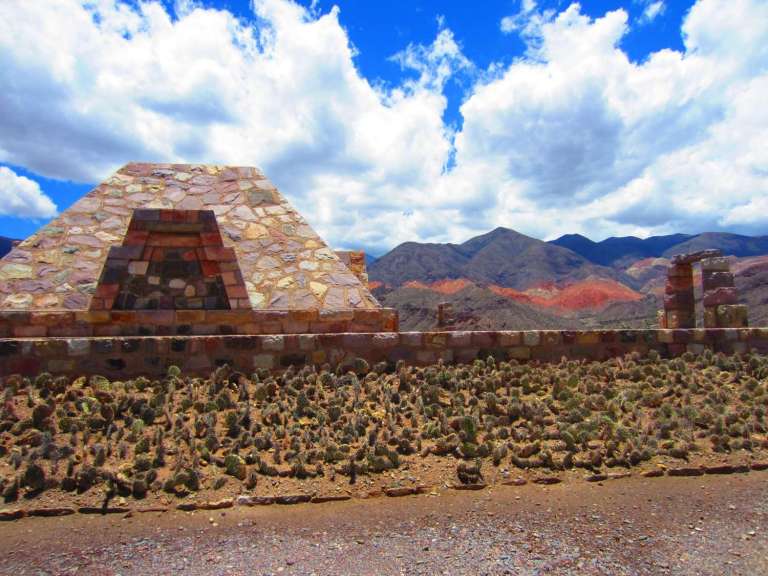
392 121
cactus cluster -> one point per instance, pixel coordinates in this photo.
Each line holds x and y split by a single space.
180 434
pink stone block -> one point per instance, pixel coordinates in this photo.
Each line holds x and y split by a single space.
386 340
509 338
411 339
29 331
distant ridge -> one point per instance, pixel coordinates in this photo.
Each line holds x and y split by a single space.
502 257
615 250
624 250
5 245
504 279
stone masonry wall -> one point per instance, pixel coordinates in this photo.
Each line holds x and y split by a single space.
124 357
38 324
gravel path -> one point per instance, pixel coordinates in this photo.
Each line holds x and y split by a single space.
704 525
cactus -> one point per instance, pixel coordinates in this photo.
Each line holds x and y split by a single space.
235 466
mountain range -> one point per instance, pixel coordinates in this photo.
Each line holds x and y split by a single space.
517 282
5 245
507 280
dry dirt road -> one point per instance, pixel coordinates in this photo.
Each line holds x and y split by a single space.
703 525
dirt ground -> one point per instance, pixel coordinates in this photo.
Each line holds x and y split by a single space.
708 525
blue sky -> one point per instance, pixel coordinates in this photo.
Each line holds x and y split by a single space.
392 121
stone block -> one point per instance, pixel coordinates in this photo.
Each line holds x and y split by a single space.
683 270
732 316
587 337
509 338
307 342
135 238
519 353
319 357
29 331
156 317
94 317
138 267
237 292
411 339
426 356
60 365
357 341
386 340
274 342
531 338
692 257
126 252
460 339
295 327
713 280
680 319
678 284
190 316
337 315
38 318
483 339
435 339
719 264
710 317
308 315
551 338
679 301
107 330
721 296
79 347
209 268
218 254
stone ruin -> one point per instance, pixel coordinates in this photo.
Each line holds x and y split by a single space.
171 249
719 295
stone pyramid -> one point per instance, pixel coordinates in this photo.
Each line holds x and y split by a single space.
179 236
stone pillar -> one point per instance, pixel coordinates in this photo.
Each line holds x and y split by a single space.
721 300
445 315
679 302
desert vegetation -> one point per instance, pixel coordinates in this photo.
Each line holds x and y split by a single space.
179 435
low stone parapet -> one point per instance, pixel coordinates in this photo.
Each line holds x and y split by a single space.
101 323
152 355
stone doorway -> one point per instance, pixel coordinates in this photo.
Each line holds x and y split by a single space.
718 296
171 260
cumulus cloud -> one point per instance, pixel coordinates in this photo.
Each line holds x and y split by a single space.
570 137
124 82
22 197
585 140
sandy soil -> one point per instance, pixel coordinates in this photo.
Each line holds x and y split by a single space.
707 525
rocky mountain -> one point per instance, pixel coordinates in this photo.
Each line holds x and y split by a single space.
504 279
502 257
623 251
5 245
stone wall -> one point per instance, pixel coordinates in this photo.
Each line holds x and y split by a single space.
39 323
123 357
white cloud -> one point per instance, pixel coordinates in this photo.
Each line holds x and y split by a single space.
435 63
585 140
652 10
572 137
87 87
22 197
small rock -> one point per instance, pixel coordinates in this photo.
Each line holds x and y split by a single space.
688 471
547 480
